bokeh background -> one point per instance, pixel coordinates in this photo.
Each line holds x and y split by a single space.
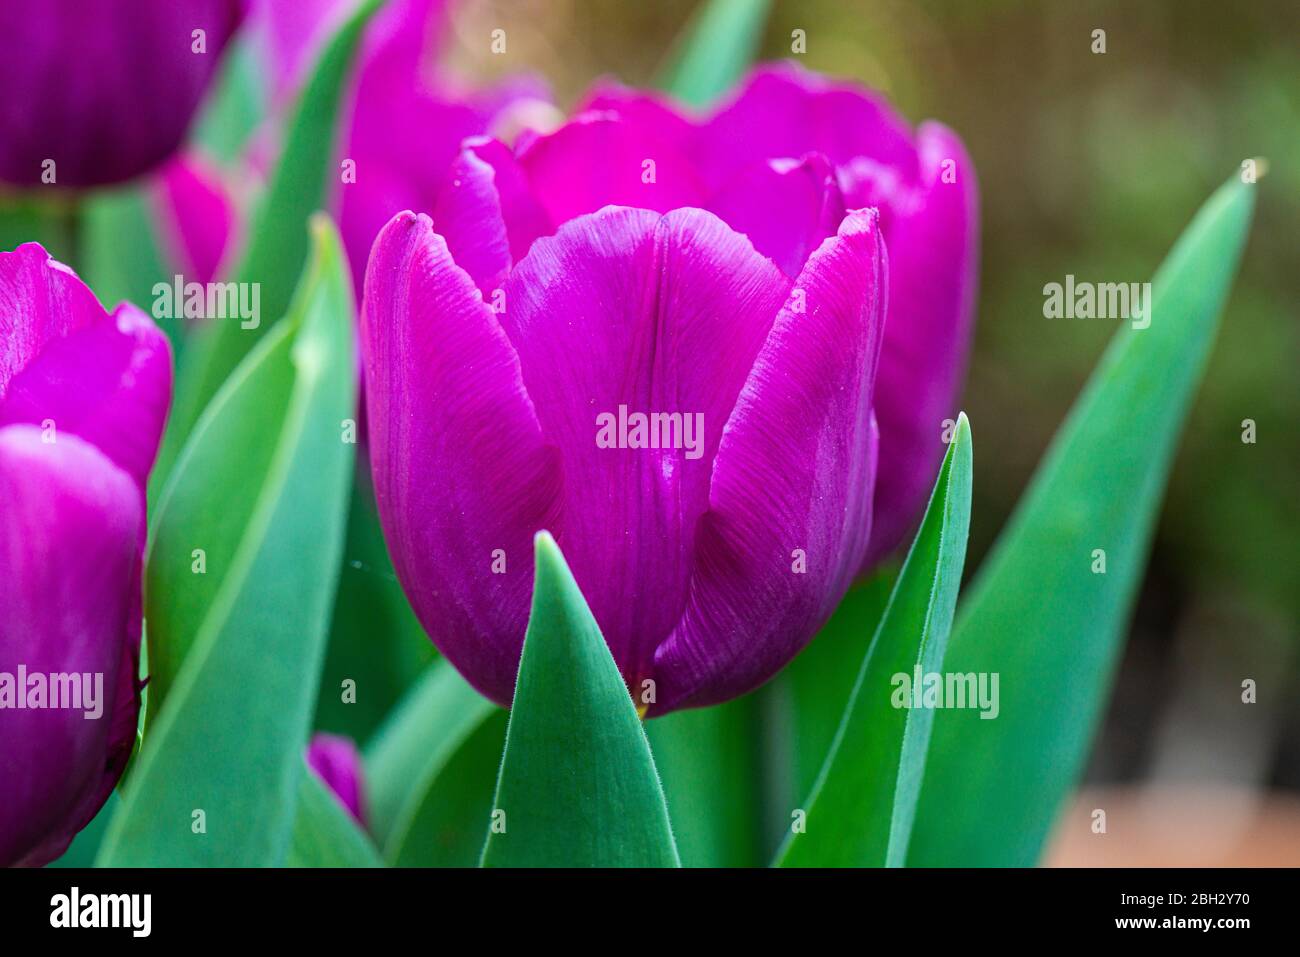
1091 164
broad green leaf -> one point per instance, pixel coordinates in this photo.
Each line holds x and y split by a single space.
375 642
578 787
861 809
716 47
811 693
236 650
410 754
275 256
236 104
708 759
121 256
324 833
447 827
1037 614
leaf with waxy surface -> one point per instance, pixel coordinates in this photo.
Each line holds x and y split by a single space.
578 787
236 650
1036 614
418 791
709 762
716 47
862 806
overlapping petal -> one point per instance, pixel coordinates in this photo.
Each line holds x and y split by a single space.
81 371
600 159
487 213
789 508
933 242
462 475
783 110
786 207
657 315
69 603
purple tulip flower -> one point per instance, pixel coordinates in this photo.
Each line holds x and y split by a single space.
638 262
335 760
83 399
105 89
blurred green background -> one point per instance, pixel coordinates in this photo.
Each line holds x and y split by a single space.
1089 164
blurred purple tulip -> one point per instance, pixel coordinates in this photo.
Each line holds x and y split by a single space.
407 118
83 399
105 89
639 259
335 760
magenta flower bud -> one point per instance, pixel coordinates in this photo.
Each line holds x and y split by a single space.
639 263
694 427
83 400
102 92
336 761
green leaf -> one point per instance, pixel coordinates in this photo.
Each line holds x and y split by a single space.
861 809
375 639
299 187
409 778
716 47
236 651
1036 613
578 787
709 763
324 833
48 218
811 693
121 256
236 105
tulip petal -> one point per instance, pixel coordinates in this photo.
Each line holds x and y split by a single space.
657 114
600 159
44 300
933 239
661 315
462 477
793 478
337 762
109 383
487 213
785 207
198 217
70 534
786 111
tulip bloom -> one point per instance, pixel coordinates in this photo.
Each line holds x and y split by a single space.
106 89
83 399
705 572
635 264
335 760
